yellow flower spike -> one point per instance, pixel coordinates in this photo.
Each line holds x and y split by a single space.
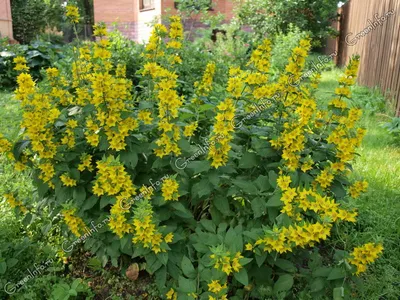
72 13
74 223
170 189
67 180
365 255
205 86
14 203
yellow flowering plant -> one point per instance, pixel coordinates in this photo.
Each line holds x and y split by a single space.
227 191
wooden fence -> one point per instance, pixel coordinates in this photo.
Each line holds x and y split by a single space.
371 28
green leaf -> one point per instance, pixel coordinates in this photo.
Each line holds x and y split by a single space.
248 160
199 166
247 186
242 276
202 188
187 285
317 285
79 194
275 201
260 259
187 268
321 272
338 293
129 158
284 283
12 262
233 241
3 267
337 273
285 265
161 277
90 202
19 147
181 211
208 225
163 257
153 264
262 183
272 177
222 204
258 205
106 200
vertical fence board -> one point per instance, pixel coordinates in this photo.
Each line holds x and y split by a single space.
378 46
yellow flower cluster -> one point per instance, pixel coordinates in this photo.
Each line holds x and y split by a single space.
5 145
74 223
297 199
227 262
285 239
171 295
236 84
72 13
10 198
204 87
39 113
218 289
113 180
67 180
20 64
175 38
153 46
357 188
348 79
364 255
260 57
86 163
169 189
145 117
47 173
145 231
190 129
69 137
222 134
169 103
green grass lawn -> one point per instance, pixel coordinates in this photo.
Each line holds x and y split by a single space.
379 164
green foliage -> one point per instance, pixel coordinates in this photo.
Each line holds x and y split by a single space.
32 17
39 54
126 52
393 127
269 17
283 45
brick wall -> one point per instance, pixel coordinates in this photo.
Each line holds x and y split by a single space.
5 19
134 23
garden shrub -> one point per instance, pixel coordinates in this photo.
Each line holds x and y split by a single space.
39 54
231 192
283 45
269 17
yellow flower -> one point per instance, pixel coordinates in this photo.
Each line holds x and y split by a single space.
171 295
364 255
75 224
170 189
215 286
10 198
190 129
145 116
169 237
68 181
249 247
72 13
99 30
